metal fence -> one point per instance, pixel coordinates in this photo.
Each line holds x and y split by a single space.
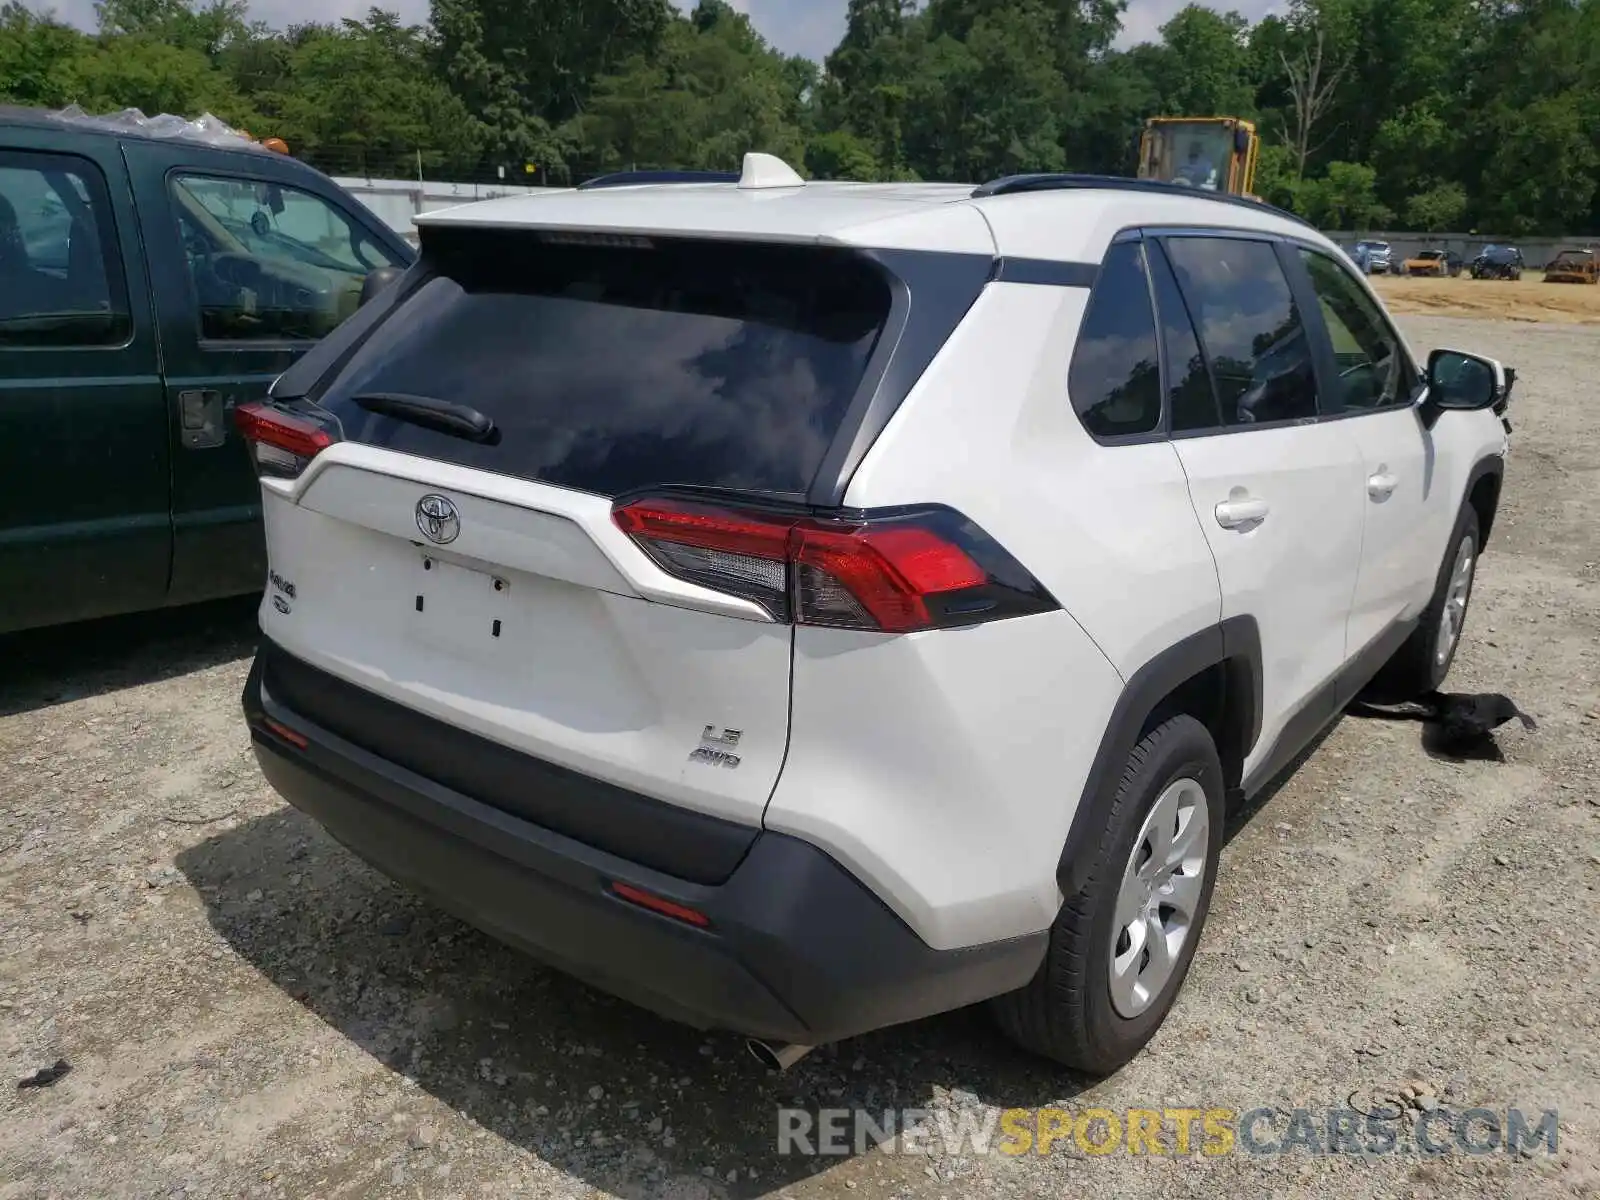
1536 251
398 201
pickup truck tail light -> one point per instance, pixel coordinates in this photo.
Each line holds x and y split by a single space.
284 438
891 571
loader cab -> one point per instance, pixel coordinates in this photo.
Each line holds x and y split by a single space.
1210 153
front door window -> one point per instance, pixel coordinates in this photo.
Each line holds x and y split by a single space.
270 262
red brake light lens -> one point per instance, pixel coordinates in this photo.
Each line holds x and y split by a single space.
283 442
894 572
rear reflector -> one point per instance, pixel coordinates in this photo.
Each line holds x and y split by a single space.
283 731
894 572
667 908
282 441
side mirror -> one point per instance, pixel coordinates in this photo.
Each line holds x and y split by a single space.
1241 141
1461 382
377 279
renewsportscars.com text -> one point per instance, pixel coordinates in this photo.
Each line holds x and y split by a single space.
1208 1132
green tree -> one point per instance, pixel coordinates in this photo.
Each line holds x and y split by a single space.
713 91
1344 198
141 72
989 104
526 68
36 57
1437 209
359 98
866 81
840 154
1203 66
208 26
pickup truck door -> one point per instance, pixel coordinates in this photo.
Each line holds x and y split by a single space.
84 527
253 258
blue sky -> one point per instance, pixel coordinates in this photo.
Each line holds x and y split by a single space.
809 27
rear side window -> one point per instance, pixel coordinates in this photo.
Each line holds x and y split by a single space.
1115 379
1250 328
1189 396
609 365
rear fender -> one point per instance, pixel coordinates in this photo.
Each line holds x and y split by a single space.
1235 646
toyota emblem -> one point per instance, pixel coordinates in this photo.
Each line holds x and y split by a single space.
438 519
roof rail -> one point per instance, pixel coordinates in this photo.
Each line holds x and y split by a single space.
1011 185
632 178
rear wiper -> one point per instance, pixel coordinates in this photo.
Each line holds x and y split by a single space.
442 416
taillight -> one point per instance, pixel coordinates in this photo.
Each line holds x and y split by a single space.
284 440
895 571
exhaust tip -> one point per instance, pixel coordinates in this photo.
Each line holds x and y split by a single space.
778 1056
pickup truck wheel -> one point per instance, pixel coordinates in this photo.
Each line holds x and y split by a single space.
1421 664
1120 948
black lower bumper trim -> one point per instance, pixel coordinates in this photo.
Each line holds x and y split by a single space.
641 829
797 949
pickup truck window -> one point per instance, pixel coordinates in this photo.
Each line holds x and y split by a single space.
61 281
270 262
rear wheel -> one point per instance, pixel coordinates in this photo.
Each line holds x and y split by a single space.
1421 664
1120 949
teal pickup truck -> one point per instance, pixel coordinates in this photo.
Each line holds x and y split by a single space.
153 276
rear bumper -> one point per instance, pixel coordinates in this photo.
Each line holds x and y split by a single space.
796 949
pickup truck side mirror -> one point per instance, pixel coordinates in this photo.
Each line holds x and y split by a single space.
1461 382
377 279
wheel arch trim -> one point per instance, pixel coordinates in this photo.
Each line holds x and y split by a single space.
1234 646
1491 466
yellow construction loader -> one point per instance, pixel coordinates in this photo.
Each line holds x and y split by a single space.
1215 154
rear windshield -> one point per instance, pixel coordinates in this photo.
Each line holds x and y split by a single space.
620 363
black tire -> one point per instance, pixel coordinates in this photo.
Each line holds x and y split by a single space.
1066 1011
1416 667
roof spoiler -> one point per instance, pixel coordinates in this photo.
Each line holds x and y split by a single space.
761 171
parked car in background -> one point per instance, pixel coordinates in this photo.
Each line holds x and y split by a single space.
1573 266
1498 262
647 589
1435 263
154 275
1373 258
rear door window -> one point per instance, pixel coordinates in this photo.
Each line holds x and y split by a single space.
1250 328
618 363
61 281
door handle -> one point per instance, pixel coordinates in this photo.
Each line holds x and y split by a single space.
202 418
1241 510
1382 485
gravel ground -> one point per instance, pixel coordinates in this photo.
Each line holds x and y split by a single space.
249 1011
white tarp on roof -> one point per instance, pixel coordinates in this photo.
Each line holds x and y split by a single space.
204 128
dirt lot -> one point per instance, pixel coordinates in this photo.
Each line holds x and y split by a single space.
248 1011
1528 299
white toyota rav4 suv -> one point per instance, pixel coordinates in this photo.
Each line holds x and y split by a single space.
804 607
